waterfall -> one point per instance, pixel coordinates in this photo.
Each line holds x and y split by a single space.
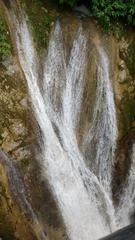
101 139
127 200
80 193
19 191
65 119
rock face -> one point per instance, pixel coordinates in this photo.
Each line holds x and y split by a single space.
124 234
14 140
19 130
13 200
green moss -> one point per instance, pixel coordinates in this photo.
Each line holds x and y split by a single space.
5 47
41 21
128 110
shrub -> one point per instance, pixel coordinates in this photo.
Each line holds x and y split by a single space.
5 47
109 10
40 20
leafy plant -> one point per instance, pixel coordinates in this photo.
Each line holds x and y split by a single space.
5 47
107 11
40 20
41 31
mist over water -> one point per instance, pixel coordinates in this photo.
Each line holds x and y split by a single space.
83 194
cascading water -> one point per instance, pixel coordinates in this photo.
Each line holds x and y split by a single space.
101 139
127 201
85 205
65 120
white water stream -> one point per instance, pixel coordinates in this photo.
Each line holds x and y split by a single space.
102 136
83 194
127 201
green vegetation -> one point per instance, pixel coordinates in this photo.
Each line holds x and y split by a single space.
107 11
41 21
5 47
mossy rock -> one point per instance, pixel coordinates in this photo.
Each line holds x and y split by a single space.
129 58
128 110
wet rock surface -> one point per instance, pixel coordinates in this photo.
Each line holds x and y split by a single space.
127 233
